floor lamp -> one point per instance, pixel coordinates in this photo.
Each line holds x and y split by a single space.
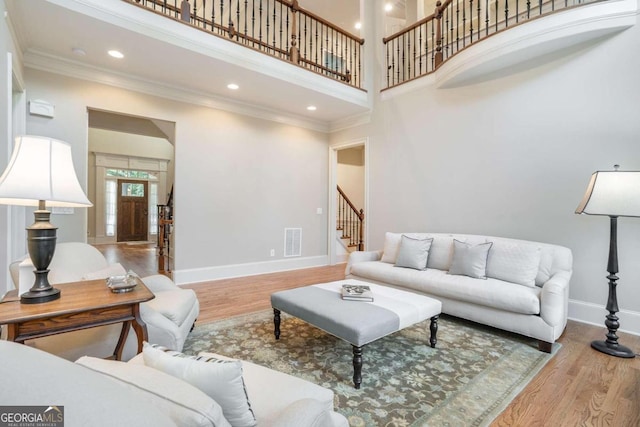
614 194
40 173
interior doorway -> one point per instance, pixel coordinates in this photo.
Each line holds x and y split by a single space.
130 174
133 211
348 190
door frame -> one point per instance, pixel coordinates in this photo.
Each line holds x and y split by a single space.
333 182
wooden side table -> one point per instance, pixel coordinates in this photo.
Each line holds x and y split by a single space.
82 305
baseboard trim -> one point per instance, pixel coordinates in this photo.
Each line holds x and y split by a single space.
594 314
183 277
342 258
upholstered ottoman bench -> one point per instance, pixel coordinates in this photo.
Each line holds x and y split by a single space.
357 322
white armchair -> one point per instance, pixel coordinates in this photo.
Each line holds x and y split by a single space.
169 316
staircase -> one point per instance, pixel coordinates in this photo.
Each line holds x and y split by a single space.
349 223
165 230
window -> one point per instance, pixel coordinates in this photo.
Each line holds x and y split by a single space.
132 190
110 207
122 173
153 208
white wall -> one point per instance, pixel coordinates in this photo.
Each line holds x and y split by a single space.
350 174
12 223
239 181
512 157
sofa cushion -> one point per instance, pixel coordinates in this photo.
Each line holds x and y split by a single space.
175 305
182 402
289 389
440 252
514 262
220 379
413 253
469 259
34 377
391 246
490 292
304 412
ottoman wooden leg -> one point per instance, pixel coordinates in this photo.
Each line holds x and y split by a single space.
276 323
357 366
434 331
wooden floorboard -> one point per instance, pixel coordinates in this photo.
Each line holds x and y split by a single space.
578 387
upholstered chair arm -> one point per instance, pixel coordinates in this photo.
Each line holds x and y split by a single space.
554 299
159 283
361 256
163 330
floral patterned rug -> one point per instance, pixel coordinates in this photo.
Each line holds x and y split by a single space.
467 380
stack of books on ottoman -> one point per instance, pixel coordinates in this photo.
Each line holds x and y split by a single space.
357 293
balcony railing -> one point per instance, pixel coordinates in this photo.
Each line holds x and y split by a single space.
279 28
456 24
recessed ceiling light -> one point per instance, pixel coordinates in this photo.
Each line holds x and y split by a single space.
78 51
388 7
116 54
233 86
358 25
311 108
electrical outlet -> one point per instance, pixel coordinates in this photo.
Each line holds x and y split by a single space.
273 252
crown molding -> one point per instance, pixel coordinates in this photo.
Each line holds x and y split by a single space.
49 63
351 121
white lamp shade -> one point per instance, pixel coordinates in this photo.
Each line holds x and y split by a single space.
612 193
41 168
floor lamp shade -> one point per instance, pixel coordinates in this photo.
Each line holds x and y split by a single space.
40 173
613 194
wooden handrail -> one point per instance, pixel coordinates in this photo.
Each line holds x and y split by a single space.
352 221
329 24
346 198
422 47
345 60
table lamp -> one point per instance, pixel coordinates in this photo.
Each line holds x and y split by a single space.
612 193
40 173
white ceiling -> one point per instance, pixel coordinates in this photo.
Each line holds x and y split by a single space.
161 62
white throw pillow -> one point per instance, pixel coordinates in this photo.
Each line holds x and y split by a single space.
391 246
470 260
219 379
440 253
413 253
514 262
183 403
112 270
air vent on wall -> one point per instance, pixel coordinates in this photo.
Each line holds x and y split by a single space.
292 242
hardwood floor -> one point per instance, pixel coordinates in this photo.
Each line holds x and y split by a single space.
142 258
578 387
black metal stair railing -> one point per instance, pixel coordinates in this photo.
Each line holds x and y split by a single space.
350 221
280 28
421 48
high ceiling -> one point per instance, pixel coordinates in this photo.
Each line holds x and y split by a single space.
72 37
158 63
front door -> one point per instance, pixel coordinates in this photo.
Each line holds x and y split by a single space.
133 211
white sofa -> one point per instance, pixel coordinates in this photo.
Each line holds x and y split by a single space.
169 316
525 289
96 392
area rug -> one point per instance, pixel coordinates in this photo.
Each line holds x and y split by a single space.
467 380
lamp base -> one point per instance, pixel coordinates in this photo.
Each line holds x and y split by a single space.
36 297
617 350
